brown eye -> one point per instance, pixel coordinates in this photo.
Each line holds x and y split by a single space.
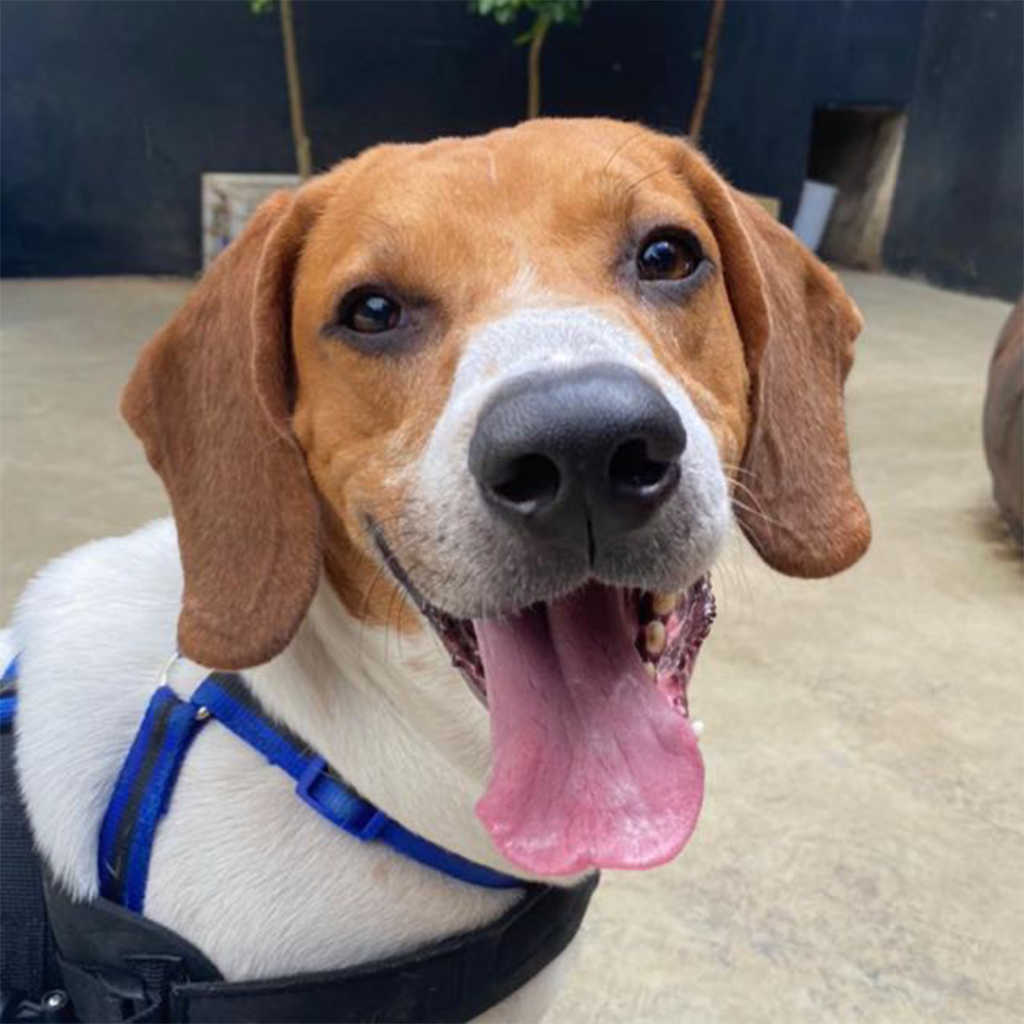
370 313
668 258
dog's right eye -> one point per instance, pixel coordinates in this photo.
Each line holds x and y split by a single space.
368 312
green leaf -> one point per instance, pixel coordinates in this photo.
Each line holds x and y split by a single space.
505 12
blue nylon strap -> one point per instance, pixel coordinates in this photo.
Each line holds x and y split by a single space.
8 708
146 782
10 673
182 727
9 700
215 694
330 797
141 796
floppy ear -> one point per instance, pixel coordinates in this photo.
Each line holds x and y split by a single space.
798 506
210 397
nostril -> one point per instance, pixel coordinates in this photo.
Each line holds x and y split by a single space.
632 470
530 481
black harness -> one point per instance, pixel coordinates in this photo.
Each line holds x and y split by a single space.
103 961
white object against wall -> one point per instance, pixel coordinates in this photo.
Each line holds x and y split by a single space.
229 200
816 202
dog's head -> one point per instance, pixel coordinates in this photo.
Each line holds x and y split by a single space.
530 377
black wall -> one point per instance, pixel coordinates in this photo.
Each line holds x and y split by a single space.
110 111
781 60
959 203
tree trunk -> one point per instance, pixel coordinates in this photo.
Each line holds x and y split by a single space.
540 30
303 160
707 70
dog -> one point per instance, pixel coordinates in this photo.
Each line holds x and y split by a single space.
452 435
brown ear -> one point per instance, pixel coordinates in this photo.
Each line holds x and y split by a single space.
209 398
798 505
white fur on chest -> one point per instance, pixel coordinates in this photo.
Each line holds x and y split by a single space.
241 866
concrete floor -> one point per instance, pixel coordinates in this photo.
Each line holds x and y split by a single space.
861 854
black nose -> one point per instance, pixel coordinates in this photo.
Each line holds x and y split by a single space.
578 455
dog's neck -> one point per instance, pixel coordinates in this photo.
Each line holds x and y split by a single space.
391 716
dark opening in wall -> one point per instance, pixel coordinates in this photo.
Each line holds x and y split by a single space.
857 149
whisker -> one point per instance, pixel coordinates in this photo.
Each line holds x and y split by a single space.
650 174
750 510
730 468
619 148
757 508
746 490
382 574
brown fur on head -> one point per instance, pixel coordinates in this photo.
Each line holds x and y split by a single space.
279 439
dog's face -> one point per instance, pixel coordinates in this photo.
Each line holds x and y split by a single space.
529 377
518 367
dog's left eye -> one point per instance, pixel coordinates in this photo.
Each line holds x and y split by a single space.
668 257
369 313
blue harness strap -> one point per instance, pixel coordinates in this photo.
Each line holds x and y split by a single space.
10 673
230 701
145 784
141 796
113 963
9 696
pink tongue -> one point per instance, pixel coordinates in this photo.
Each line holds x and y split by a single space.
591 764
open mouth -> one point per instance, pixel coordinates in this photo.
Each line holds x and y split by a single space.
668 630
594 758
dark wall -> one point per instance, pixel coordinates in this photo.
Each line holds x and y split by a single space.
959 205
111 111
777 68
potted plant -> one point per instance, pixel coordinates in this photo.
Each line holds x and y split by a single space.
545 13
230 199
